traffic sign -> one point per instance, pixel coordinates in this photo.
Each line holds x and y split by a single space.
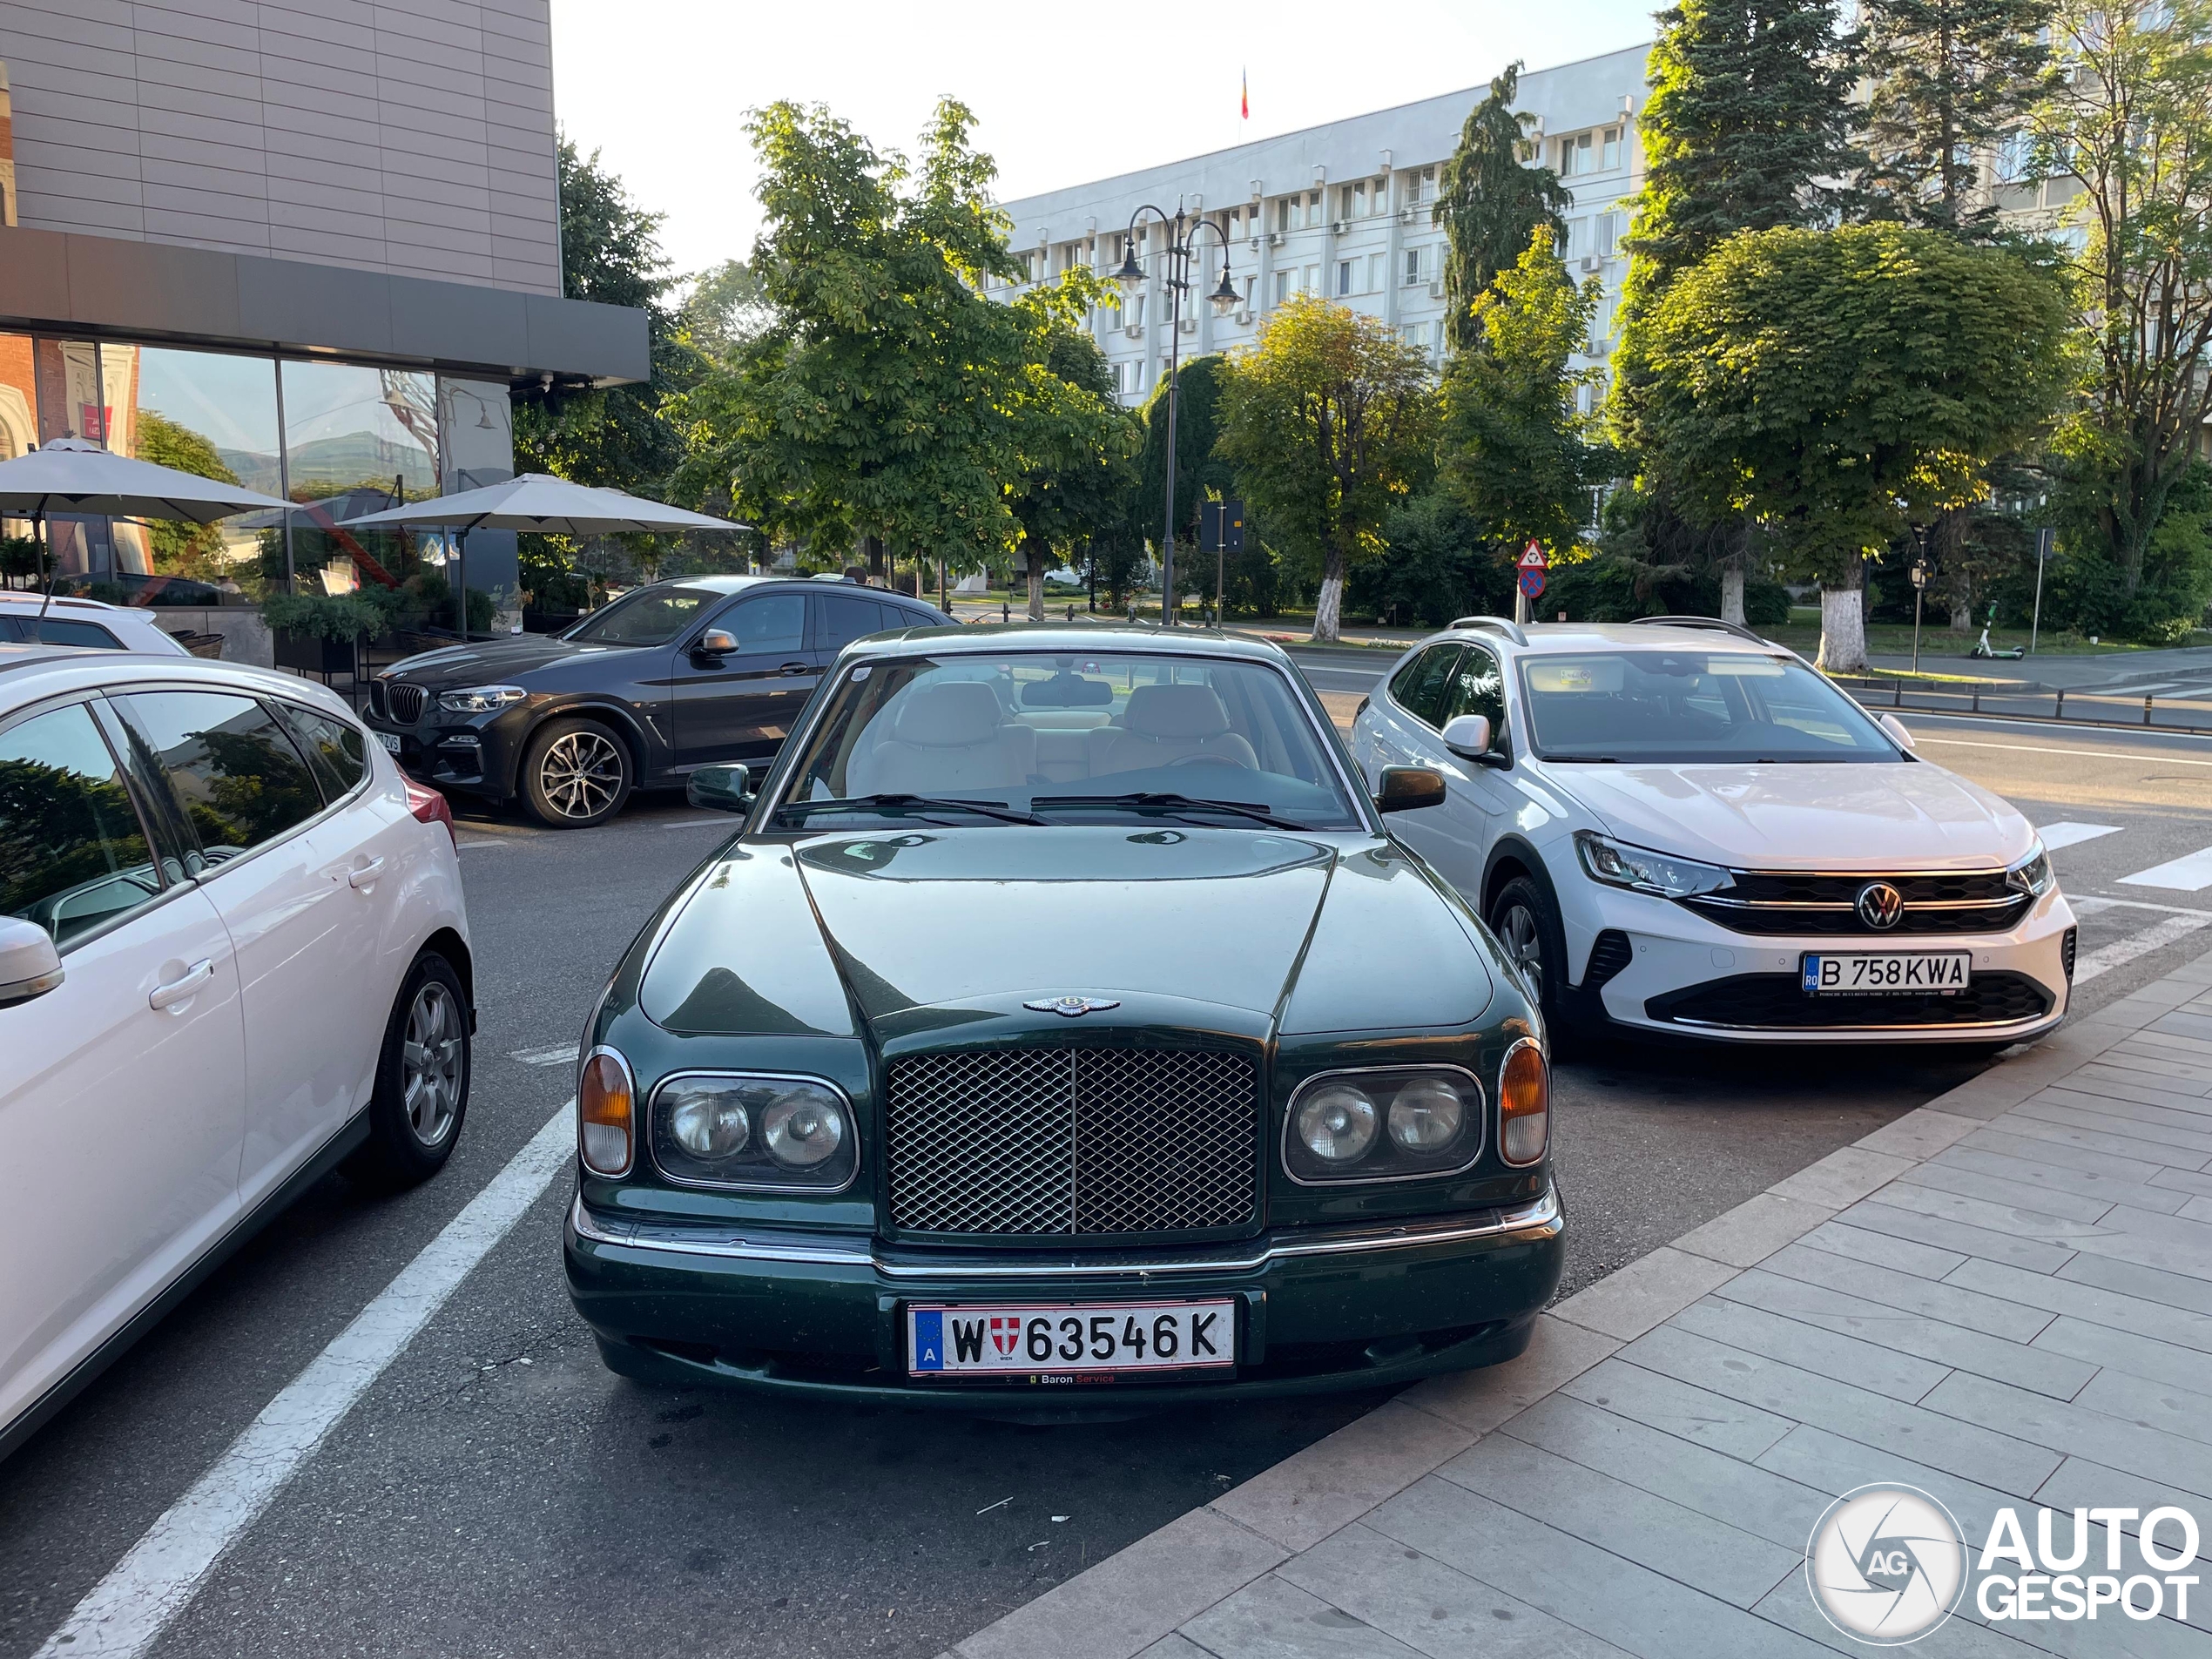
1532 558
1532 580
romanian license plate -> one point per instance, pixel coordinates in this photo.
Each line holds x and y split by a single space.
1885 973
390 741
1070 1343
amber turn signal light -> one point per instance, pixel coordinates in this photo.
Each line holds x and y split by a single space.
1524 1103
606 1114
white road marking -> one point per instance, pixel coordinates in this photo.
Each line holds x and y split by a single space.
125 1613
700 823
2190 873
2155 937
470 846
2089 755
2058 835
2088 902
559 1054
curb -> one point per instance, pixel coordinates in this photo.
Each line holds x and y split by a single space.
1145 1592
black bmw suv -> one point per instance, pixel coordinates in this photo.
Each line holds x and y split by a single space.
666 679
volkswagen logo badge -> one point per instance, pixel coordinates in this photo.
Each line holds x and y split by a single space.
1073 1007
1880 905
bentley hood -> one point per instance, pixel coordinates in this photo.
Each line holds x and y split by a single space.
1304 933
1877 818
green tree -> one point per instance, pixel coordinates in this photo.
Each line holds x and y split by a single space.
1491 201
725 307
1949 78
882 401
616 437
1074 443
1201 472
182 549
2130 118
1836 386
1514 449
1330 421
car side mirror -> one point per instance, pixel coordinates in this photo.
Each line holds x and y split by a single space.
1407 788
1898 733
1468 736
715 642
720 788
29 966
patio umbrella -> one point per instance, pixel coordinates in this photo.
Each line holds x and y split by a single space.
78 475
541 505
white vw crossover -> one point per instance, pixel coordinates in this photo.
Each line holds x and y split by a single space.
1678 827
232 952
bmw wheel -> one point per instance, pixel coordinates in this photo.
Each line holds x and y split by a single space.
575 773
422 1071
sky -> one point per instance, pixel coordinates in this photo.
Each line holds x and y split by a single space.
1061 94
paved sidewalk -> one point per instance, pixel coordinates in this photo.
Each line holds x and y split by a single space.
2004 1298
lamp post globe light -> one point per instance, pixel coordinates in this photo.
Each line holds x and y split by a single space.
1180 251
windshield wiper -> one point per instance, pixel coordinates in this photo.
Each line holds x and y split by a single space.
1156 800
895 804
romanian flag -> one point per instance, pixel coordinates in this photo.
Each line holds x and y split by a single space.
1244 98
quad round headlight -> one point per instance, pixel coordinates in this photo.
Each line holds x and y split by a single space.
803 1127
1336 1123
1427 1113
749 1130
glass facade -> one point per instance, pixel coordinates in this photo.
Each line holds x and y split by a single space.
338 440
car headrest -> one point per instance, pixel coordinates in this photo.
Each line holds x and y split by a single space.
1175 712
951 714
1067 692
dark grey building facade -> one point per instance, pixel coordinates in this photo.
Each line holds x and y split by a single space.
313 247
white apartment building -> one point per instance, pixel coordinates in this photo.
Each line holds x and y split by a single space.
1342 210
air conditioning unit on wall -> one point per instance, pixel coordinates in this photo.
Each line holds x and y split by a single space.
1134 330
1436 288
1591 262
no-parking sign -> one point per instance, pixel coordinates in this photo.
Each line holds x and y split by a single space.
1533 566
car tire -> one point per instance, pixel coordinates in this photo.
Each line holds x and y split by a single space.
576 774
423 1072
1527 927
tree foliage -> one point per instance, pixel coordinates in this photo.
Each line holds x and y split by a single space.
1202 472
2131 118
1836 385
181 549
1492 201
724 309
1514 449
1330 419
1949 78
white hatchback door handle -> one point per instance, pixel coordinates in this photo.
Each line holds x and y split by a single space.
178 989
366 876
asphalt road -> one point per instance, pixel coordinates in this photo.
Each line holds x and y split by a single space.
496 1491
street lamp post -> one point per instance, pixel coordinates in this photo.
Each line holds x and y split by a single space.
1182 249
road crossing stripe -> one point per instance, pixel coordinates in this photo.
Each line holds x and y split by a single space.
2125 950
2058 835
125 1613
2190 873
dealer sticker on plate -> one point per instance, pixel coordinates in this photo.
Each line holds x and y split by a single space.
1875 973
1062 1343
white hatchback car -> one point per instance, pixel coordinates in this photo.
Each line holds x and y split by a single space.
30 619
1678 827
232 952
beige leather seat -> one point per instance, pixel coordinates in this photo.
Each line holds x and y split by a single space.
951 737
1164 723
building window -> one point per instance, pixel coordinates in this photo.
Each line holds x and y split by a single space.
1378 273
1345 268
1416 264
1283 288
1609 148
1420 185
2015 159
1310 279
1611 227
1578 238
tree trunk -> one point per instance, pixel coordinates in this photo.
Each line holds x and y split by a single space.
874 545
1035 557
1732 590
1843 623
1328 609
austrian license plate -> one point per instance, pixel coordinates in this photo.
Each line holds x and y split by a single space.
1883 973
1070 1343
390 741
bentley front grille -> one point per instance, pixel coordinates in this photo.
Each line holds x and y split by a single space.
1066 1142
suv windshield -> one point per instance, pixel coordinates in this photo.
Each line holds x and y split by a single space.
1681 706
1051 737
646 617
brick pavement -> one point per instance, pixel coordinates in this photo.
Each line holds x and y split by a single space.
2004 1298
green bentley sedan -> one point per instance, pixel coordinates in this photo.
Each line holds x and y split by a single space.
1061 1016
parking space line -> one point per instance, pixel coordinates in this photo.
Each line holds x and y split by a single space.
125 1613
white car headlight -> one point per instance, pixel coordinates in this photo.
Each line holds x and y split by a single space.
480 699
1644 871
753 1129
2033 875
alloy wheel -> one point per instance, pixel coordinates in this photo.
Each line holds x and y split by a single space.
1524 945
431 1062
581 774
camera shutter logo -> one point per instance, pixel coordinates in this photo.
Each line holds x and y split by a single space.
1881 905
1886 1564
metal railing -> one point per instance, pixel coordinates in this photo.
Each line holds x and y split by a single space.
1995 700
